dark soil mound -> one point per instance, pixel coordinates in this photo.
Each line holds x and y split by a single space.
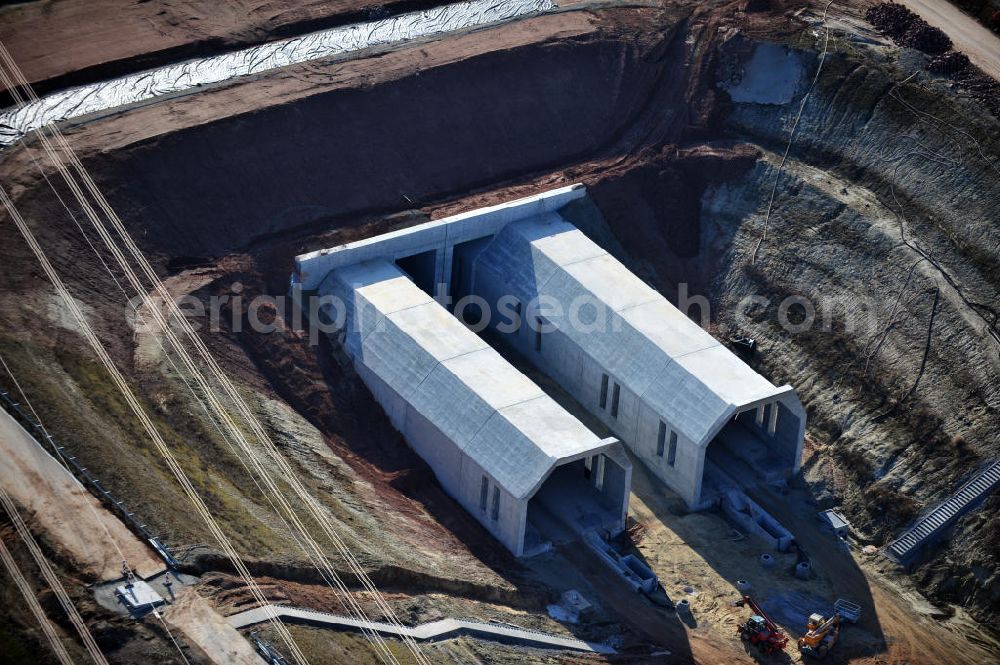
907 29
948 64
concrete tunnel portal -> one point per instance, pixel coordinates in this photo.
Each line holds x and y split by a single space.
757 445
525 468
699 418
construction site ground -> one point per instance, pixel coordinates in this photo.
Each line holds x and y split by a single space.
699 557
224 187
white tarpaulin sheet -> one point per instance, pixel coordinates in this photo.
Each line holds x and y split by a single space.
173 79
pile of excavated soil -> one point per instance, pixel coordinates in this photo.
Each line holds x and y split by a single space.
907 28
949 64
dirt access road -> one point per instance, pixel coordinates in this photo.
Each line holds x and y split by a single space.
981 45
92 541
697 558
55 503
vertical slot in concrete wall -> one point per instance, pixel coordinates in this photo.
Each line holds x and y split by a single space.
463 260
422 268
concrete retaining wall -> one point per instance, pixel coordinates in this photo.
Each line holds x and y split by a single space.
439 236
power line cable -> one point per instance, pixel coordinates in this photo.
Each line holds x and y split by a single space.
255 425
36 608
136 407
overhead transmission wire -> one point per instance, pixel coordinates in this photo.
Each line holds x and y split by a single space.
321 518
315 509
133 403
791 135
287 473
51 578
93 510
198 400
928 154
370 633
316 555
898 211
58 648
157 439
947 162
59 454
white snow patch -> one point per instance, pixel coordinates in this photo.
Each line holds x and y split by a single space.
771 76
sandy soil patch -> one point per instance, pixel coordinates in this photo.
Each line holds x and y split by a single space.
208 631
71 519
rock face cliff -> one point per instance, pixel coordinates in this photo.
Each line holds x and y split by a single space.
884 218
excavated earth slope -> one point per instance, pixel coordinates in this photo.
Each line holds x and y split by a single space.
677 119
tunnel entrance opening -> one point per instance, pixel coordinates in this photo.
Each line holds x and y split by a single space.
422 269
756 446
586 495
462 259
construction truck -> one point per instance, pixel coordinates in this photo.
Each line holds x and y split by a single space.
822 633
759 630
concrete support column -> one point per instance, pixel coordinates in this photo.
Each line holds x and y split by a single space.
772 425
760 415
442 273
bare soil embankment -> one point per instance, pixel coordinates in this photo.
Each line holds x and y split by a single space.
238 180
62 44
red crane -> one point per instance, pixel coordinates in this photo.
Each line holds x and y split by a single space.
760 630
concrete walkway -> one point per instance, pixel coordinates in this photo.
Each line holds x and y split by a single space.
434 631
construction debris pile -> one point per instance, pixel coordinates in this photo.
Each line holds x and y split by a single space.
907 29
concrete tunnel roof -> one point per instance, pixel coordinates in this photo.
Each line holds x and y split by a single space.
648 345
494 413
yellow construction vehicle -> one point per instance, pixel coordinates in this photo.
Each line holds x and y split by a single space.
821 635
